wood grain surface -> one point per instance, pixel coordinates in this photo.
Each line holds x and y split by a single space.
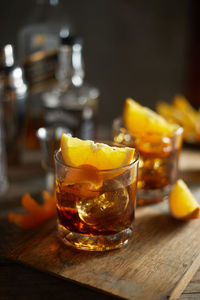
163 251
160 260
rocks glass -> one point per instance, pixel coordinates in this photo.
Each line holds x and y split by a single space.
158 164
95 207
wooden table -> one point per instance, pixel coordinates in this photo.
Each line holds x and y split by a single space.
22 282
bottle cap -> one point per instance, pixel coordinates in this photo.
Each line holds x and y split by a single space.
69 40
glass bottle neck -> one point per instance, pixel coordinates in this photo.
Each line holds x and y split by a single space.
70 66
65 68
7 56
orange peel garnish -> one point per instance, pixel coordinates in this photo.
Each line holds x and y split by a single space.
84 174
81 190
83 181
36 214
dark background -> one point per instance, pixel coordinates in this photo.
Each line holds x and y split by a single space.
140 49
148 50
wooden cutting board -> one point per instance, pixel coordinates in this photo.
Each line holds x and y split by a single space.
160 260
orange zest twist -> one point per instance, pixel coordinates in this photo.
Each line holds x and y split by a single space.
84 181
36 214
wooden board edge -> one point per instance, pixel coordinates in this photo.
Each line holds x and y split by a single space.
183 282
57 275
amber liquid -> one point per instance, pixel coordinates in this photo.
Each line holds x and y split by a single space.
158 164
158 161
157 171
104 213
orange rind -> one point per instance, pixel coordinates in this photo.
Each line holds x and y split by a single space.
81 190
182 203
84 174
36 214
83 181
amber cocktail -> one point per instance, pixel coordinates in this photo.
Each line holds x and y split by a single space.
158 164
95 207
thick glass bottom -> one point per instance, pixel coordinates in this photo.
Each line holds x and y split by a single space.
153 196
94 243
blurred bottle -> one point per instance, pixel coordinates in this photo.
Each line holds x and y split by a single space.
3 159
14 96
38 42
73 103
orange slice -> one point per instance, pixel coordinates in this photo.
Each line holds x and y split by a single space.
182 203
180 111
140 119
166 110
77 152
182 104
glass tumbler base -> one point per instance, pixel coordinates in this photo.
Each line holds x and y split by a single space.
94 243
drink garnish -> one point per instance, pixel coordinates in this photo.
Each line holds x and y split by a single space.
182 112
77 152
182 203
140 119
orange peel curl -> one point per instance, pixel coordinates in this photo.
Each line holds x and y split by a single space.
36 214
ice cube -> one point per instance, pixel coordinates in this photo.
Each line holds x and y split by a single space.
104 211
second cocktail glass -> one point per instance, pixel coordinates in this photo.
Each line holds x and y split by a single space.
158 164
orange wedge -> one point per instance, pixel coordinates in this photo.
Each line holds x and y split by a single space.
77 152
140 119
181 111
182 104
166 110
182 203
